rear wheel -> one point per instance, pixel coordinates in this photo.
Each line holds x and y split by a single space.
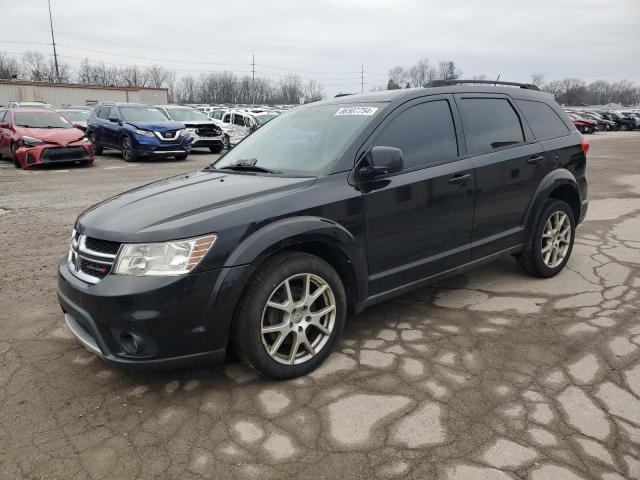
126 147
14 155
552 241
291 315
97 148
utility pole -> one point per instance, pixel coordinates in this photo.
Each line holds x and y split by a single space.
53 41
362 78
253 78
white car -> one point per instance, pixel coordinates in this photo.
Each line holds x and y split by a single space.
204 132
236 125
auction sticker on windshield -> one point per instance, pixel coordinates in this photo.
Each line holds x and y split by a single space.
356 111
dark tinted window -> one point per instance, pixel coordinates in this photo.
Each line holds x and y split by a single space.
489 123
238 120
544 122
425 134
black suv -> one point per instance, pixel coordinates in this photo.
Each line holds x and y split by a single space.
325 210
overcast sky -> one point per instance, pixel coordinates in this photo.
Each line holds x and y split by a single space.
329 40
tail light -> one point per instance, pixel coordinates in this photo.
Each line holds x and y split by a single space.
585 146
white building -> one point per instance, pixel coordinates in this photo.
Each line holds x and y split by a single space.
58 94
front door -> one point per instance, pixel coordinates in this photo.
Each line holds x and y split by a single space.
419 221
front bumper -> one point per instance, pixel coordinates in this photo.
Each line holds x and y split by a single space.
198 141
48 154
176 321
151 146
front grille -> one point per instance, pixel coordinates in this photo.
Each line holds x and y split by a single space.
63 154
208 131
91 259
169 135
102 246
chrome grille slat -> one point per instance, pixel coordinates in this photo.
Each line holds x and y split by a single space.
88 265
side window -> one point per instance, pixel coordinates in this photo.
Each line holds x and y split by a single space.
248 121
113 113
238 120
217 115
425 133
544 121
3 113
103 112
490 123
226 118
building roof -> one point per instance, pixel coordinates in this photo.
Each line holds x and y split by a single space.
78 85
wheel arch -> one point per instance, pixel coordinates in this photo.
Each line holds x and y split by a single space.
560 184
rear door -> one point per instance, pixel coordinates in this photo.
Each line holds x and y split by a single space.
419 221
509 164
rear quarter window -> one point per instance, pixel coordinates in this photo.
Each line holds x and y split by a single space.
489 124
542 119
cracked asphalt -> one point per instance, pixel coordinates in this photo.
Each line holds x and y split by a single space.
490 375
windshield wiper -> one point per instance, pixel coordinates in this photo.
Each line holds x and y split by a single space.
248 165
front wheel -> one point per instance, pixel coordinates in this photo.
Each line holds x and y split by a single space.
97 148
126 147
215 148
291 315
552 241
14 155
226 142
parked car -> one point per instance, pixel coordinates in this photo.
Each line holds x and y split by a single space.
327 209
204 132
236 125
603 123
77 117
622 122
635 117
138 130
87 108
34 104
264 117
584 125
32 137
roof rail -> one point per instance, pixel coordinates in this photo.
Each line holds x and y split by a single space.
445 83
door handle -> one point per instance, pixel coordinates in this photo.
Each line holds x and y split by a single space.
456 179
535 159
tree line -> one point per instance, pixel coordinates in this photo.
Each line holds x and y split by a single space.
215 87
227 87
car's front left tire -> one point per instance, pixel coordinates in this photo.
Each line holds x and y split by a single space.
551 242
127 150
292 312
14 155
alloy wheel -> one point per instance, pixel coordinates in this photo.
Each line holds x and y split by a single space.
556 239
126 148
298 319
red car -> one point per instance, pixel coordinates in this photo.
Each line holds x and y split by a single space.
584 125
35 136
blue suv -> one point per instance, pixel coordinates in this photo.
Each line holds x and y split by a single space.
137 130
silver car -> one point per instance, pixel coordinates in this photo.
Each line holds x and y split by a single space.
236 125
204 132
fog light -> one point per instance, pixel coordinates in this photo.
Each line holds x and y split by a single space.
131 343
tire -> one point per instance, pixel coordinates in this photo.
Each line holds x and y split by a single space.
126 148
623 127
226 142
216 149
97 148
535 260
269 285
181 157
14 155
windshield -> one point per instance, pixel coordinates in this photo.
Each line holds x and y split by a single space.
185 114
41 120
75 115
142 114
304 141
262 119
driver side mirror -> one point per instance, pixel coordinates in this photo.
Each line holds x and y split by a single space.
381 161
114 119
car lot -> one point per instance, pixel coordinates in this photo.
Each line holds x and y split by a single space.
490 375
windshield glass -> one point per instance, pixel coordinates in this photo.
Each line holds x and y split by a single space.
262 119
75 115
185 114
41 120
304 141
142 114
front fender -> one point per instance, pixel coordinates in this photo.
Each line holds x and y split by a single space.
554 179
289 232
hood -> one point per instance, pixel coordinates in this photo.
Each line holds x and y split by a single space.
158 126
53 135
182 206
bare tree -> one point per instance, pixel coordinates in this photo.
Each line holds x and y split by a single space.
537 79
420 73
397 76
34 66
9 66
313 91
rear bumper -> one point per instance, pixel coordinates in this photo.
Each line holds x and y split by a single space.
176 321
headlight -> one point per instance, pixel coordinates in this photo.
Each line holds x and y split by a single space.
158 259
30 141
144 133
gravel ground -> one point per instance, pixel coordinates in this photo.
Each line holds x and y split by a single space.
489 375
